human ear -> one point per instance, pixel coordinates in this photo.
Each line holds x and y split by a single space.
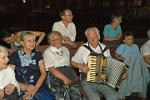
124 41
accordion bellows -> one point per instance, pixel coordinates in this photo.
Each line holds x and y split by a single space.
97 70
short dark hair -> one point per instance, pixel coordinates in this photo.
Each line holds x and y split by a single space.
116 16
62 12
126 34
5 33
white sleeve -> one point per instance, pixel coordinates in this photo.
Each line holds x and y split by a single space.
48 59
68 55
145 50
54 28
107 52
13 78
73 35
78 56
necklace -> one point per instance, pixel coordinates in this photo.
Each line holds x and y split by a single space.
60 53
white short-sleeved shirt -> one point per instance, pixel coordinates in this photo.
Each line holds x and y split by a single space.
7 76
145 50
69 31
81 56
54 57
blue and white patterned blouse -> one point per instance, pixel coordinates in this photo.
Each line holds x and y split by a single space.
27 68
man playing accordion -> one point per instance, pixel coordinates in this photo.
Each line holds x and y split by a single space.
80 61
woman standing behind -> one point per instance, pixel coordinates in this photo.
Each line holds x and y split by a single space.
113 33
113 30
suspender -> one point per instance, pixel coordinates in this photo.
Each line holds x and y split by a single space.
93 52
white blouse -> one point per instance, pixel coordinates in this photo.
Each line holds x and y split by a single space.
54 57
7 76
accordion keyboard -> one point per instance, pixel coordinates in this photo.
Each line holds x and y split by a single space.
96 69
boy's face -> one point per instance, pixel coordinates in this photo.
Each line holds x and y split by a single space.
29 43
129 40
3 60
9 39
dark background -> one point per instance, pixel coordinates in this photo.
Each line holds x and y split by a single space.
39 15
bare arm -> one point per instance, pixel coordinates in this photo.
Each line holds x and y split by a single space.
81 67
31 89
1 94
66 38
43 74
147 59
22 86
107 38
41 36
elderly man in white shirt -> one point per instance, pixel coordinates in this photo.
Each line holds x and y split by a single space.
57 62
145 50
79 60
66 27
8 83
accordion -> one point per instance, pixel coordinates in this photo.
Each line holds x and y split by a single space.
98 70
118 70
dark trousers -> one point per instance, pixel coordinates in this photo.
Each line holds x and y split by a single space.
148 92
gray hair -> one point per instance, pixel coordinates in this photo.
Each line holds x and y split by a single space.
26 34
3 49
51 35
92 29
148 33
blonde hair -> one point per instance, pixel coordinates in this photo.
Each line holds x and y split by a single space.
92 29
26 34
3 49
51 35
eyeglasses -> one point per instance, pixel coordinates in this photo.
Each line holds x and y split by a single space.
69 15
55 39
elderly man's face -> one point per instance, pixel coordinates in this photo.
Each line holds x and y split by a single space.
93 38
56 41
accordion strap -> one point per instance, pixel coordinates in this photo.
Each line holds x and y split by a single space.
93 52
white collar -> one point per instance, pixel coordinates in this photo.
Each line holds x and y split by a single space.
54 49
93 47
